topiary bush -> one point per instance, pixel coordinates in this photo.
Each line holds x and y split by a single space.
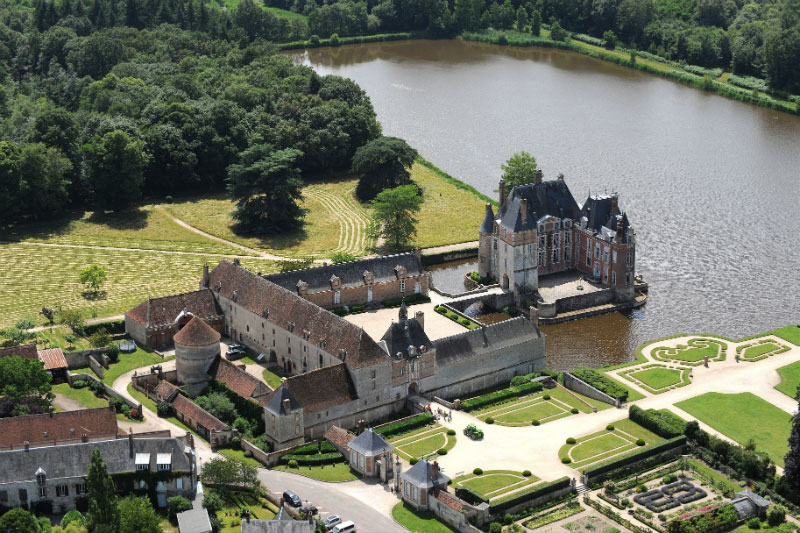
566 460
526 473
413 460
442 451
546 397
610 427
451 432
571 440
490 420
754 523
640 442
535 423
293 463
79 384
478 471
574 411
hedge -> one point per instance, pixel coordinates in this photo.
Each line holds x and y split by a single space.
444 257
112 327
402 426
618 465
500 505
663 423
500 396
470 497
315 459
601 383
410 300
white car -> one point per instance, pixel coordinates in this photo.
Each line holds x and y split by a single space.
331 521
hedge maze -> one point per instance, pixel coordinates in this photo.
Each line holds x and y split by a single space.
657 378
670 496
693 352
756 351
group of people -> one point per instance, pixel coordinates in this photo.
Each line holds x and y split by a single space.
447 416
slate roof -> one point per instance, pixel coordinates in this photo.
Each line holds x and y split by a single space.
189 409
350 273
155 312
194 521
465 345
275 404
277 526
488 221
94 423
546 198
238 380
370 443
53 358
26 351
760 501
421 475
196 333
339 437
283 307
320 389
72 460
597 210
403 334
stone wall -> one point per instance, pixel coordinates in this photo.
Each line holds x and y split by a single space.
544 498
581 387
359 295
494 300
457 519
582 301
96 367
80 359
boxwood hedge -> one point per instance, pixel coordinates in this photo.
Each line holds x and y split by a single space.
402 426
315 459
663 423
500 396
500 505
619 466
601 383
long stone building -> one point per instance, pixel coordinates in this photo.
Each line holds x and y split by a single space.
539 229
339 374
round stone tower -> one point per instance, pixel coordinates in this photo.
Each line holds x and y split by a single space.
196 349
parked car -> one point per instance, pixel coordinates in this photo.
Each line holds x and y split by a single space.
237 346
309 509
345 527
292 499
234 356
331 521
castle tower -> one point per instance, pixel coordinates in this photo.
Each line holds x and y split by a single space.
196 349
485 243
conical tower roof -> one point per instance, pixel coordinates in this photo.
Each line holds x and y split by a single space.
196 333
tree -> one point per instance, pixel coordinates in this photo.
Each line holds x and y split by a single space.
24 378
520 169
136 515
776 515
43 187
266 185
609 40
536 23
19 521
103 515
19 333
632 18
782 55
791 470
557 33
383 163
71 318
394 215
522 18
115 165
229 472
93 276
213 502
177 504
218 405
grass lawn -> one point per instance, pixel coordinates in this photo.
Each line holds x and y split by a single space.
714 477
51 278
83 396
334 472
743 417
790 379
285 13
233 505
605 444
54 338
789 333
658 378
130 361
239 456
273 377
524 410
760 350
418 522
422 442
150 404
538 411
494 483
601 444
694 352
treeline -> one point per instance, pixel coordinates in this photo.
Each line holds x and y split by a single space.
758 38
98 117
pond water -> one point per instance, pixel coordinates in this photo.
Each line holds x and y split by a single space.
711 185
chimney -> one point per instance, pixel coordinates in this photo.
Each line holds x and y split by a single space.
435 471
502 192
418 253
51 410
130 442
614 204
287 405
419 316
620 229
205 281
560 177
190 440
27 445
534 316
537 176
236 261
523 209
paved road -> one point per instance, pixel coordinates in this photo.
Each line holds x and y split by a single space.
365 504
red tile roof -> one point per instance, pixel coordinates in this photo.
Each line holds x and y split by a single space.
26 351
165 390
196 333
323 388
239 381
288 310
449 501
155 312
189 409
53 358
339 437
69 425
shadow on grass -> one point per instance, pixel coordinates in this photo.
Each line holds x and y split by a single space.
94 296
129 219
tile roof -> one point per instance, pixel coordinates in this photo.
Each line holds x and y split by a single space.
339 437
546 198
189 409
282 307
69 425
370 443
350 273
196 333
449 500
72 460
321 389
26 351
53 358
194 521
238 380
155 312
421 475
165 390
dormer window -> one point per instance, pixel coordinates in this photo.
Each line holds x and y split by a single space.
336 282
164 461
369 277
401 271
41 476
302 288
541 228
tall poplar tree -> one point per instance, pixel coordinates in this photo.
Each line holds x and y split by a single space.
103 515
792 469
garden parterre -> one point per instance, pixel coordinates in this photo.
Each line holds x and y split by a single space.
423 442
494 483
605 444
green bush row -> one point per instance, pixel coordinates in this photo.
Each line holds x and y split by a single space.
444 257
500 396
500 505
410 300
663 423
621 465
601 383
402 426
316 43
318 459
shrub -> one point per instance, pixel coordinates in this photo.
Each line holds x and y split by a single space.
177 504
135 414
526 473
610 427
535 423
640 442
100 338
776 514
342 257
519 380
663 423
441 451
490 420
574 411
566 460
164 409
546 397
96 387
478 471
313 459
451 432
113 353
500 396
669 478
571 440
72 516
213 502
79 384
508 518
314 39
403 426
625 502
292 463
754 523
601 383
502 39
236 442
440 309
413 460
464 321
495 527
641 488
334 40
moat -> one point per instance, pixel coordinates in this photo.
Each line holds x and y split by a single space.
710 183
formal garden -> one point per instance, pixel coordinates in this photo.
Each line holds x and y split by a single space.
538 408
424 442
758 350
658 378
744 417
616 439
493 484
694 352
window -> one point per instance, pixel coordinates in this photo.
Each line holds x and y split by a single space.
414 493
556 256
495 244
588 257
320 360
179 483
373 386
605 254
614 256
417 287
628 279
163 467
372 374
567 254
361 460
3 496
558 225
541 259
556 239
541 228
61 490
613 278
406 485
402 285
248 328
42 492
40 479
597 250
542 242
605 275
337 297
630 258
567 238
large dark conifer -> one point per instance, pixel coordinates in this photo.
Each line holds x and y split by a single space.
792 469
